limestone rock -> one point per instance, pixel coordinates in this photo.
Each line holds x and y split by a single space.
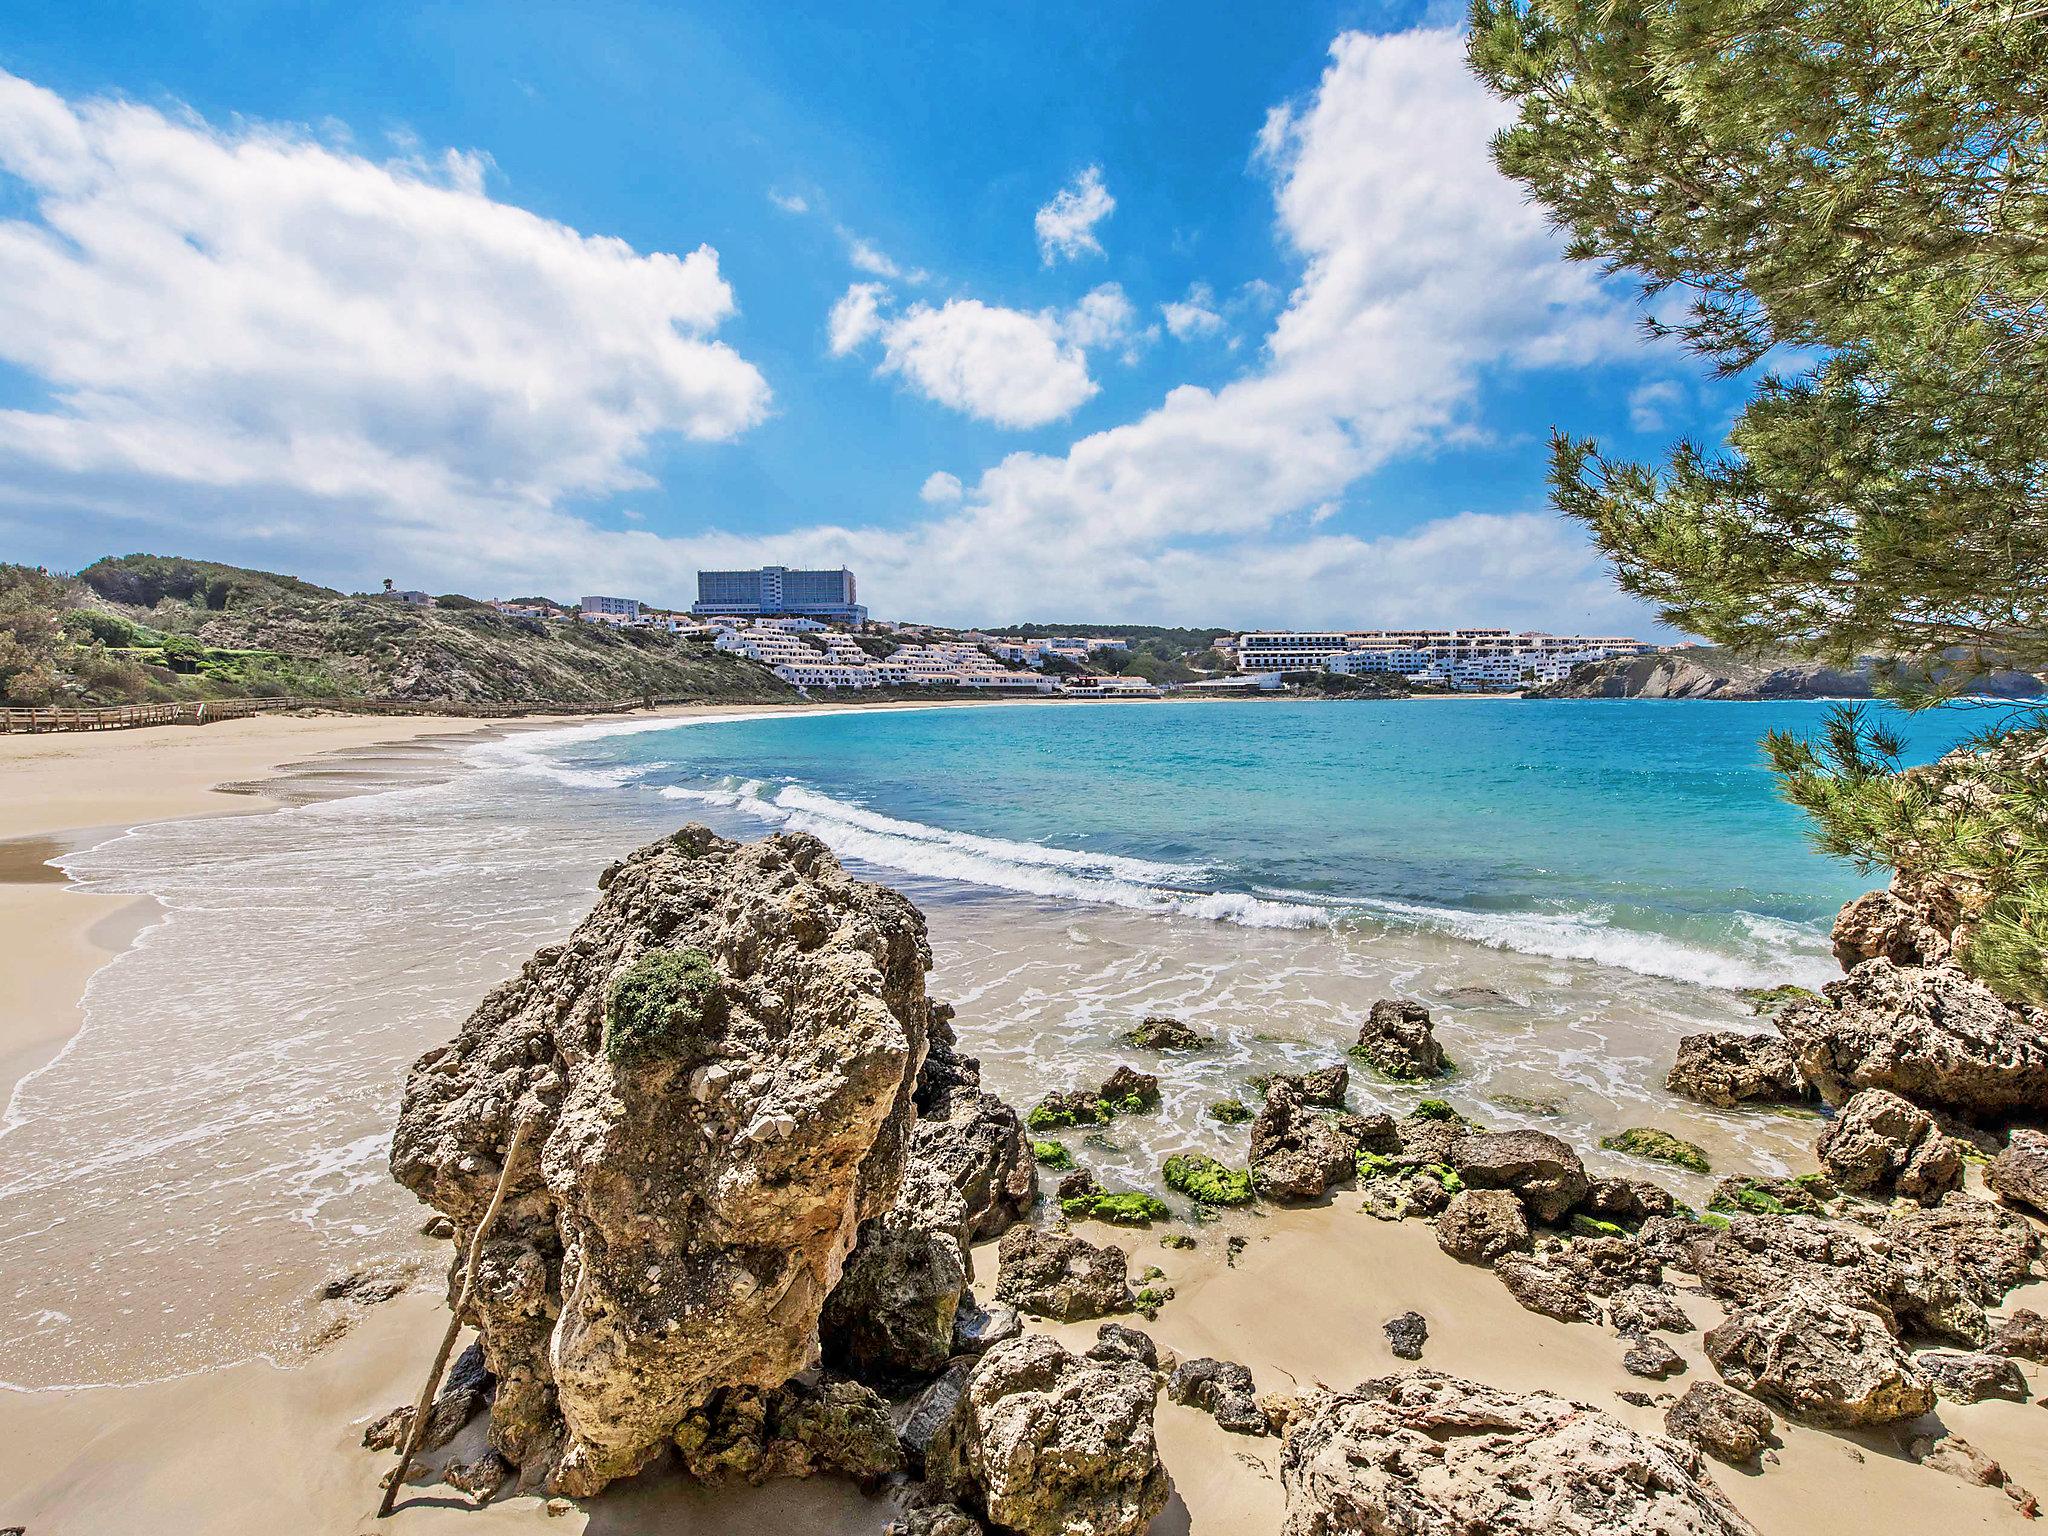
1726 1067
891 1317
1880 1145
1610 1264
932 1410
1222 1389
1130 1091
1820 1361
1931 1034
1881 923
1297 1152
1324 1088
1970 1378
1627 1202
2023 1336
1549 1288
1159 1033
979 1143
1720 1421
1987 1249
1538 1167
1114 1341
976 1328
1055 1274
717 1068
1398 1039
1480 1225
744 1434
1427 1454
1406 1334
1958 1458
1651 1358
1047 1443
2020 1172
927 1519
1640 1309
480 1479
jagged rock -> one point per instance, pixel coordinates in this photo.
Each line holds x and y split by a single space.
1757 1195
978 1141
1057 1275
1640 1309
1538 1167
946 1067
1880 923
1650 1357
1222 1389
1549 1288
1046 1443
1958 1458
1726 1067
891 1317
1480 1225
935 1520
1931 1034
1820 1361
1431 1455
1419 1142
1720 1421
1669 1239
1068 1106
1970 1378
1297 1153
480 1479
1128 1090
743 1434
2024 1336
1880 1145
717 1068
1988 1249
1159 1033
1406 1334
2020 1172
1398 1039
977 1328
1324 1088
932 1410
465 1392
1610 1264
1627 1201
1114 1341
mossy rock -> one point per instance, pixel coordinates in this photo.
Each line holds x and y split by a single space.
1445 1175
1150 1299
1593 1226
1765 1001
1208 1181
1052 1154
1060 1110
1658 1146
665 1004
1548 1109
1176 1240
1372 1164
1230 1112
1130 1208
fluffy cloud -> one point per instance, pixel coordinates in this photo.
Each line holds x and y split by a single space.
1194 315
253 311
1066 225
1103 317
941 489
856 319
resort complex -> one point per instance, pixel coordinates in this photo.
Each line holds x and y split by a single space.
775 591
1463 659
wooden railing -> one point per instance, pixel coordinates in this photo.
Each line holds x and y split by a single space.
122 717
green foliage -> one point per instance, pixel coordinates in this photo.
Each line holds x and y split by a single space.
143 581
1052 1154
1204 1179
661 1005
1658 1146
30 635
1131 1208
1230 1111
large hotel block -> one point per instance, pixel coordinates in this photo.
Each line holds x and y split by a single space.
777 591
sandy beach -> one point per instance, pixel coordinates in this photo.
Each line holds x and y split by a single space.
260 1447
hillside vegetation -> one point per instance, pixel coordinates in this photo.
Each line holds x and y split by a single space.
151 628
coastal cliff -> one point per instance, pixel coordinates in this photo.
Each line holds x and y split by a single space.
1709 672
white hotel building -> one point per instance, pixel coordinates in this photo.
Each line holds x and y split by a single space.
1476 659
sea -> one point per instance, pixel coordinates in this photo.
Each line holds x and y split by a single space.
1569 885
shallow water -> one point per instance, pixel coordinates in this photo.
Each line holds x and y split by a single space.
211 1148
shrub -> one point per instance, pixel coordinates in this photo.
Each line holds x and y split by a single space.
660 1005
1204 1179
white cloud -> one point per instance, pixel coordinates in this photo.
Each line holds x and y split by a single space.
1650 404
857 318
789 202
1103 316
1066 225
1001 365
941 489
1194 315
870 258
254 314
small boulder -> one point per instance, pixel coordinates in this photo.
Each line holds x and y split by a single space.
1398 1040
1406 1334
1627 1202
1480 1225
1158 1032
1639 1309
1324 1088
1298 1153
1549 1288
1129 1092
1880 1145
890 1318
1879 923
976 1328
745 1434
1726 1067
2020 1172
1659 1146
1651 1358
1114 1341
1222 1389
1966 1377
1820 1361
1067 1106
480 1479
2023 1336
1987 1249
1047 1443
1544 1171
1425 1454
1057 1275
1720 1421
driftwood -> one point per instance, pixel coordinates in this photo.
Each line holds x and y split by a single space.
417 1429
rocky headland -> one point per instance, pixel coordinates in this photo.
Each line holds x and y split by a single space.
761 1189
1710 672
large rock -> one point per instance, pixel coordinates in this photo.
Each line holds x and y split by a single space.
1548 1287
717 1071
1883 924
1480 1225
1048 1443
1223 1389
1544 1171
1720 1421
1726 1067
743 1434
1880 1145
891 1318
1987 1249
2024 1336
1931 1034
980 1144
1297 1151
1967 1377
1432 1455
2020 1172
1058 1275
1398 1040
1820 1361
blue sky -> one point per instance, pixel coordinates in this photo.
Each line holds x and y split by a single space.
1194 314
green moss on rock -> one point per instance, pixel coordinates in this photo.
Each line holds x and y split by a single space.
1230 1111
1204 1179
1132 1208
1658 1146
1051 1154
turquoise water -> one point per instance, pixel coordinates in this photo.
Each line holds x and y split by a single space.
1640 834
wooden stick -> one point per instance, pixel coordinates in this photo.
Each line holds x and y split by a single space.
416 1431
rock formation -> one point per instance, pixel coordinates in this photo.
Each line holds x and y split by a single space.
717 1068
1880 1145
1223 1389
2020 1172
1158 1032
1057 1275
1480 1225
1966 1377
1544 1171
1298 1151
1820 1361
1720 1421
1398 1040
1726 1067
1432 1455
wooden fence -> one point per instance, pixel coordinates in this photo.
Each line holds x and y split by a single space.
122 717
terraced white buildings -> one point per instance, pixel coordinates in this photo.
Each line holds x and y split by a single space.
1472 659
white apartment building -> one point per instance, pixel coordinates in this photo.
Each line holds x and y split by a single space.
1456 658
829 659
610 610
